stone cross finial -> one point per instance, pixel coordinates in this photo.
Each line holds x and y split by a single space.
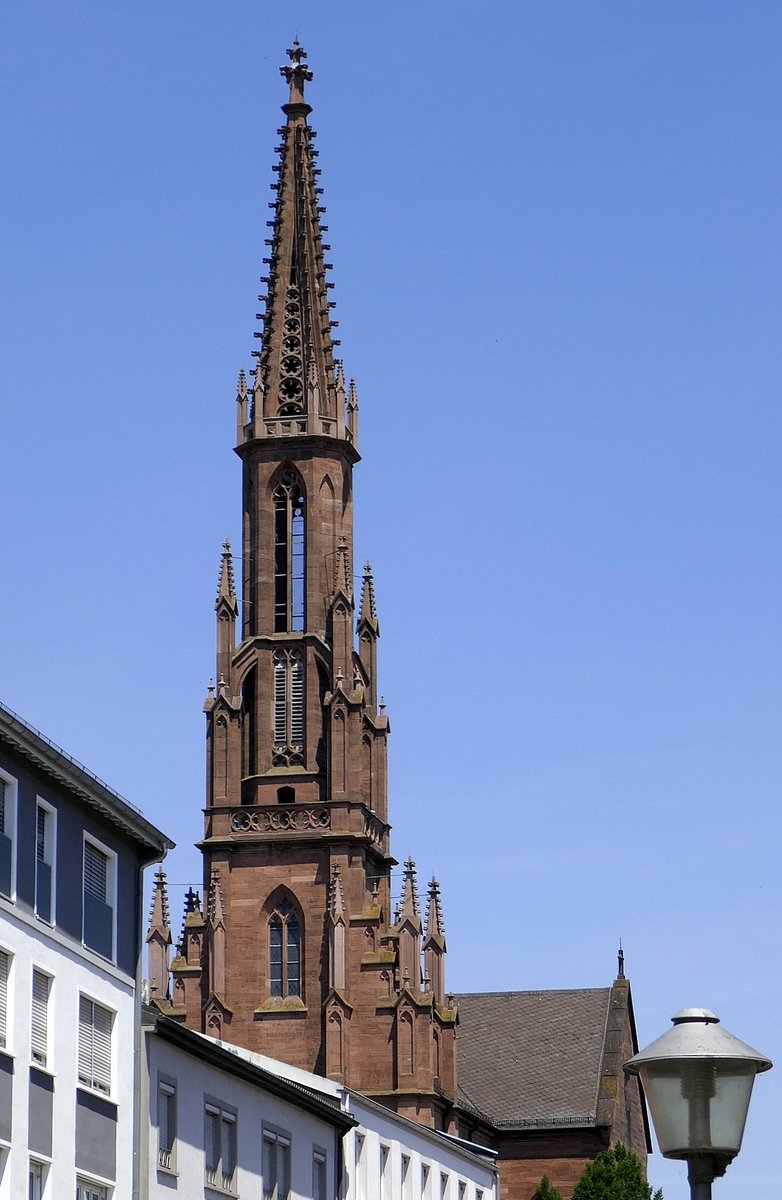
297 74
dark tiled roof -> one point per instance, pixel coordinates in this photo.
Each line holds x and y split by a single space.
532 1058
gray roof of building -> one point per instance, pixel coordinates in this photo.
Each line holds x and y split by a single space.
38 749
530 1059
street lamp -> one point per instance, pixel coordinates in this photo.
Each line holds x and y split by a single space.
698 1080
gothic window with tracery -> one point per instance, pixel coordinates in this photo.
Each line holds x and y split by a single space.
288 707
289 554
284 951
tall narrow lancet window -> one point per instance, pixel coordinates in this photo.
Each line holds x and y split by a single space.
284 951
289 555
288 707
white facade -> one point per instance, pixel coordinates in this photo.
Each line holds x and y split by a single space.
72 854
72 974
218 1125
388 1157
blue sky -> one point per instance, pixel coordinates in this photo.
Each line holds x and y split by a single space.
555 233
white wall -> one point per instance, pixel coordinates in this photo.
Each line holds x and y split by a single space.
197 1083
73 971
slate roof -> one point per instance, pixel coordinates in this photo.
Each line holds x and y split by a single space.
530 1059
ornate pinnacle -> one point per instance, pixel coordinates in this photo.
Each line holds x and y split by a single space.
342 568
367 609
215 900
225 584
159 917
336 901
296 74
434 914
410 906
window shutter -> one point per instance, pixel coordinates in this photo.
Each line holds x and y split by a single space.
95 871
228 1148
101 1052
39 1028
5 962
280 701
269 1166
297 700
94 1045
2 805
85 1040
40 834
212 1141
283 1167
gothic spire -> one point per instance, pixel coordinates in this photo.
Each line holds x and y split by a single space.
295 386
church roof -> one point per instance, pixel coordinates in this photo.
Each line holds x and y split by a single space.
532 1059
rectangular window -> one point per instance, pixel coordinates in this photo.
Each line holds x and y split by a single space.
87 1190
385 1189
95 1024
426 1181
319 1180
276 1165
220 1147
444 1186
407 1178
5 967
36 1176
99 886
166 1124
39 1018
45 818
7 830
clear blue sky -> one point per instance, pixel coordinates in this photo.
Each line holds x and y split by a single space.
555 232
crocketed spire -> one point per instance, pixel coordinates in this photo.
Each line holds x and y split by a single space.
295 387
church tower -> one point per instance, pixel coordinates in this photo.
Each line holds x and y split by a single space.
294 951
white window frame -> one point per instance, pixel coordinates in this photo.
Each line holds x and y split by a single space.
40 1017
49 856
111 892
407 1177
92 1189
216 1177
10 799
276 1142
41 1169
95 1075
384 1170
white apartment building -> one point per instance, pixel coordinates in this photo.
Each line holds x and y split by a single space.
72 854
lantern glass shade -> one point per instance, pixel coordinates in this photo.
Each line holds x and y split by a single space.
698 1105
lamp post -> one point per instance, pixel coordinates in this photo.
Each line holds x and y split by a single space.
698 1079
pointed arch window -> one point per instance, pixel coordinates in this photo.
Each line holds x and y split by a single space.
284 951
288 707
289 554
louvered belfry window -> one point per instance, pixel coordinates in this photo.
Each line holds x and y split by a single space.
39 1018
94 1045
288 707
